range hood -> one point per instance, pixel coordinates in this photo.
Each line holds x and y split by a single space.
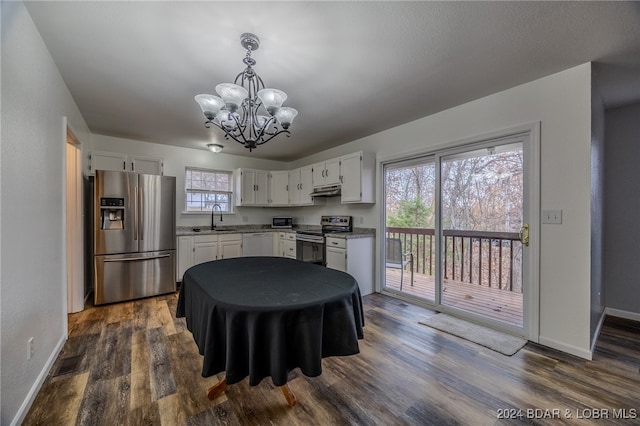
326 191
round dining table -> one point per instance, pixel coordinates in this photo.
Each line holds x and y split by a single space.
265 316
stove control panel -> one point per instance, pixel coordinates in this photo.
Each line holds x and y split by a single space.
344 223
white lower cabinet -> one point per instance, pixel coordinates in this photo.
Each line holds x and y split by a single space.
184 255
196 249
353 256
229 245
287 244
205 248
336 253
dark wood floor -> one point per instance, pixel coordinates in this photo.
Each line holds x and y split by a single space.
136 364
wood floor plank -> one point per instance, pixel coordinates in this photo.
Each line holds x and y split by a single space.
67 391
140 376
148 415
138 365
160 369
105 402
170 410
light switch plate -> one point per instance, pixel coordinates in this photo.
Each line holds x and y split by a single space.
552 216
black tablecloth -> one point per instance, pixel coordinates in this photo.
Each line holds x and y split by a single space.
265 316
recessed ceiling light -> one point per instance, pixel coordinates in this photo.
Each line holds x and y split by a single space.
215 147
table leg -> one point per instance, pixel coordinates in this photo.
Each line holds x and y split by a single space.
218 389
289 396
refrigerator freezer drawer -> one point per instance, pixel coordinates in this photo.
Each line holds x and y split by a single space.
135 275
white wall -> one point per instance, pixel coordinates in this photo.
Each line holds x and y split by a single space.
622 200
561 103
597 208
32 278
175 161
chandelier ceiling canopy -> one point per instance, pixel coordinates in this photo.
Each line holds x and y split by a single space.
246 111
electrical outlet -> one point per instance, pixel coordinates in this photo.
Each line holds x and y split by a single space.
30 348
552 216
361 220
245 219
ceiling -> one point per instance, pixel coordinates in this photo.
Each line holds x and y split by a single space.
350 68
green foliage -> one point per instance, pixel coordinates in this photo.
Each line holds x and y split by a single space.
414 213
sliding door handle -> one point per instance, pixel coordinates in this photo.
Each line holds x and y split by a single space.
524 235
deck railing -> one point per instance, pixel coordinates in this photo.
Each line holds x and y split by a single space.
491 259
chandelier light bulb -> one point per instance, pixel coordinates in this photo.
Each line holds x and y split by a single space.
232 94
272 99
285 116
209 104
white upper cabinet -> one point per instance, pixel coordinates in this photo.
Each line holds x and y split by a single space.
146 165
294 187
252 187
326 173
99 160
306 186
300 186
102 160
358 177
279 186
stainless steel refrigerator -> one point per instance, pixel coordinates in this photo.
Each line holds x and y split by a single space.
134 222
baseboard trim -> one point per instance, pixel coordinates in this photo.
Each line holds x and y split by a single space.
570 349
31 396
622 314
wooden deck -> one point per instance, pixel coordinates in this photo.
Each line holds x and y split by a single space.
501 305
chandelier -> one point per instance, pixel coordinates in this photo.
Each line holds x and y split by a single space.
246 111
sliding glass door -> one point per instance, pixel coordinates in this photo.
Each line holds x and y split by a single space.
482 215
456 232
410 259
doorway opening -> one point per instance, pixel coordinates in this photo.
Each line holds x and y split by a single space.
74 225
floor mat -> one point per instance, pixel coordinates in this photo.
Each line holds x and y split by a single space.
498 341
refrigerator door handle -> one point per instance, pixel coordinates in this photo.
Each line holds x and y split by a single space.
141 215
135 213
132 259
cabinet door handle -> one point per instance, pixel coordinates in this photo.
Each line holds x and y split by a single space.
334 243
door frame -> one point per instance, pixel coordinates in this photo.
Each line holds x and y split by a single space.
531 266
73 237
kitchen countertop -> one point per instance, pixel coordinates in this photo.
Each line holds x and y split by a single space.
244 229
357 233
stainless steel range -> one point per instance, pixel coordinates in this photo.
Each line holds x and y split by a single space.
310 243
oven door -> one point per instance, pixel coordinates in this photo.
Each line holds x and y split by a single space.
310 251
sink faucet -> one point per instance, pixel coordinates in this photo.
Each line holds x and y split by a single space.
213 209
